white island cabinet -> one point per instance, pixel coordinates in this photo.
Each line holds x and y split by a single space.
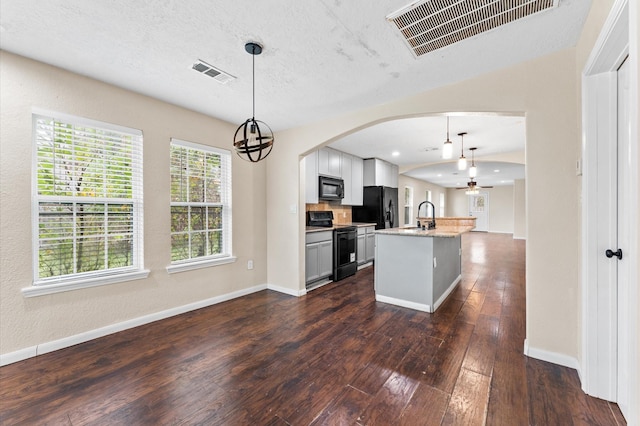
416 268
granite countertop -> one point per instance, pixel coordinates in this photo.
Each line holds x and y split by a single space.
441 231
337 225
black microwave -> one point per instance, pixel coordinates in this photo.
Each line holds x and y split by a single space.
330 188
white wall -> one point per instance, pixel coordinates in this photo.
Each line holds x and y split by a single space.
420 189
26 322
501 214
519 209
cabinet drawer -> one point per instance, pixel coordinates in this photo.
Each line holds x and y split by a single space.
316 237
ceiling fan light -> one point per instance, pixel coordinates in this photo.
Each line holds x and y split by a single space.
462 163
447 150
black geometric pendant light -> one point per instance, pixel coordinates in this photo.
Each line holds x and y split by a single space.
253 140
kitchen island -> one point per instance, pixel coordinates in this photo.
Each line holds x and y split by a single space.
418 268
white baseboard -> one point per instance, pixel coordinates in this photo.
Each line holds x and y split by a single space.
19 355
285 290
65 342
552 357
403 303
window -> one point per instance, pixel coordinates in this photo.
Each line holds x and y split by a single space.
200 205
442 204
408 205
87 202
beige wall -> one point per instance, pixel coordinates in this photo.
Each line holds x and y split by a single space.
25 322
519 209
500 207
545 90
420 189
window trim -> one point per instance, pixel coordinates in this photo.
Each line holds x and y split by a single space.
57 284
227 228
84 282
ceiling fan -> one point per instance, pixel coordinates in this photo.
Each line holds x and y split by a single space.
473 187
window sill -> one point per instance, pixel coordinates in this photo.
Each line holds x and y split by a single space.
42 289
198 264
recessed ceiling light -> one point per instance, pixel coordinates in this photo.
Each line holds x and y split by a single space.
395 153
497 170
439 174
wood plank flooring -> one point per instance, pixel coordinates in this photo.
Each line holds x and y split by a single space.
333 357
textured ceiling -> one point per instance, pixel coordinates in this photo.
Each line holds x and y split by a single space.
321 59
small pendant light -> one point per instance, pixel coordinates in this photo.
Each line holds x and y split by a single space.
253 140
462 161
473 170
447 149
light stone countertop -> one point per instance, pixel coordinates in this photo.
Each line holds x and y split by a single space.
440 231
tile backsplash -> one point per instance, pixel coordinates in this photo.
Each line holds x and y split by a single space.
341 214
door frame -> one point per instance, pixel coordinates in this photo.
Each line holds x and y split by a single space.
599 314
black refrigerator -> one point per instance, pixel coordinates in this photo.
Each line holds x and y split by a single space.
380 206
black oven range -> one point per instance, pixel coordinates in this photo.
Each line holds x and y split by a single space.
345 237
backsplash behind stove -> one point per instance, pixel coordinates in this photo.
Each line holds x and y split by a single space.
341 214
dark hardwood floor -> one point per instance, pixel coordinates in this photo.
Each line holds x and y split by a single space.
333 357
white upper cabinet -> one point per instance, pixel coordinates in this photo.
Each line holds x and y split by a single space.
352 177
329 162
380 173
357 181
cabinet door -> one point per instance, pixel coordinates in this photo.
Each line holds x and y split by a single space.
361 250
370 246
393 175
346 177
356 181
382 173
312 267
329 162
311 178
325 258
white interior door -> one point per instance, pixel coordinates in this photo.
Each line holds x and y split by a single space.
609 218
479 208
623 264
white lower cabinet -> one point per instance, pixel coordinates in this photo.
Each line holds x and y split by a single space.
366 244
370 244
318 255
360 246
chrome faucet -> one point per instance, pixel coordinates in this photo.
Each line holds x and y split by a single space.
432 224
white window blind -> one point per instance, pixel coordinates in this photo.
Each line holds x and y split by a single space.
87 199
200 202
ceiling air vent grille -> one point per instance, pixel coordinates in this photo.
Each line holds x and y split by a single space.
213 72
428 25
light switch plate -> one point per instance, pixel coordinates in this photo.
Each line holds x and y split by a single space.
435 263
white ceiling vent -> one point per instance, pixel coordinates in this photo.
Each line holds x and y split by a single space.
213 72
428 25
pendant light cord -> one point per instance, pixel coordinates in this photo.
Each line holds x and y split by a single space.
253 55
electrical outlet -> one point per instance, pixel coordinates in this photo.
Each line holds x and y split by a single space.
250 264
